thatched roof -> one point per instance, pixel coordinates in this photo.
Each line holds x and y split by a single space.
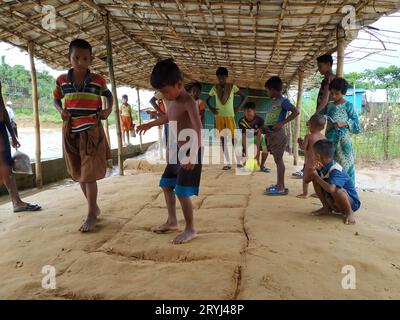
253 39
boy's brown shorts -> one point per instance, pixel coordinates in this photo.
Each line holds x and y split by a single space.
86 153
276 142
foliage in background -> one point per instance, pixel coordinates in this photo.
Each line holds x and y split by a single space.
380 78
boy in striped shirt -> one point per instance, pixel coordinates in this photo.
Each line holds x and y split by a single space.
85 147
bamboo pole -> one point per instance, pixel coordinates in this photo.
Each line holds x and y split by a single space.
340 37
35 100
139 119
114 91
298 119
105 122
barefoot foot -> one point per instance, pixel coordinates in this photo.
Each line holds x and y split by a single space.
350 219
184 237
321 211
302 196
98 212
166 228
89 223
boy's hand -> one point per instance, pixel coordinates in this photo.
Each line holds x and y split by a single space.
65 115
340 124
104 114
278 126
188 166
317 165
214 110
142 128
15 143
300 141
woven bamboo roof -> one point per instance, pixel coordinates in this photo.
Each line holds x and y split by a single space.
253 39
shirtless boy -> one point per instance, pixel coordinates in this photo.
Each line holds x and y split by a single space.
181 177
316 124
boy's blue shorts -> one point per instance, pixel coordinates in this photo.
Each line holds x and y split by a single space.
185 182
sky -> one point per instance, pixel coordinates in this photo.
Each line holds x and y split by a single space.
359 48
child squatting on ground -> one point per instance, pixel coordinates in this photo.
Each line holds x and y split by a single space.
333 185
85 146
315 125
181 177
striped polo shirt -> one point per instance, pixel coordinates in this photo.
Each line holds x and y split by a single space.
83 103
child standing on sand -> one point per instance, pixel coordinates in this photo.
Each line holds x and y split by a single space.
334 187
85 146
316 124
126 119
275 135
224 110
181 177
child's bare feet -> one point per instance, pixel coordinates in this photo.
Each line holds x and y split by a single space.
166 227
98 212
314 195
322 211
89 223
350 218
302 196
185 236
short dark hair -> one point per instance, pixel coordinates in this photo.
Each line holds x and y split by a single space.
274 83
249 105
221 71
339 84
124 96
318 121
81 44
325 148
165 73
195 85
325 58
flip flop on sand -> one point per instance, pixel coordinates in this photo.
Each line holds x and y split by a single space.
265 169
273 191
28 208
226 168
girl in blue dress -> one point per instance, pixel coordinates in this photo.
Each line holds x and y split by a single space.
342 120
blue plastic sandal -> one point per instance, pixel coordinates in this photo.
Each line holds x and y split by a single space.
273 191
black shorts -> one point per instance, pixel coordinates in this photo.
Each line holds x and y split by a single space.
6 153
185 182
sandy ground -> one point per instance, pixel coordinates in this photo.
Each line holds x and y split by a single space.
250 246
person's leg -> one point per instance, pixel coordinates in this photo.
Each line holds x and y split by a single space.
342 202
123 137
128 136
93 208
189 233
11 185
83 187
264 156
172 221
280 167
326 207
226 153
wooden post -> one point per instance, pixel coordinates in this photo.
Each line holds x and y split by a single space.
298 119
340 38
38 163
114 91
105 122
139 119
